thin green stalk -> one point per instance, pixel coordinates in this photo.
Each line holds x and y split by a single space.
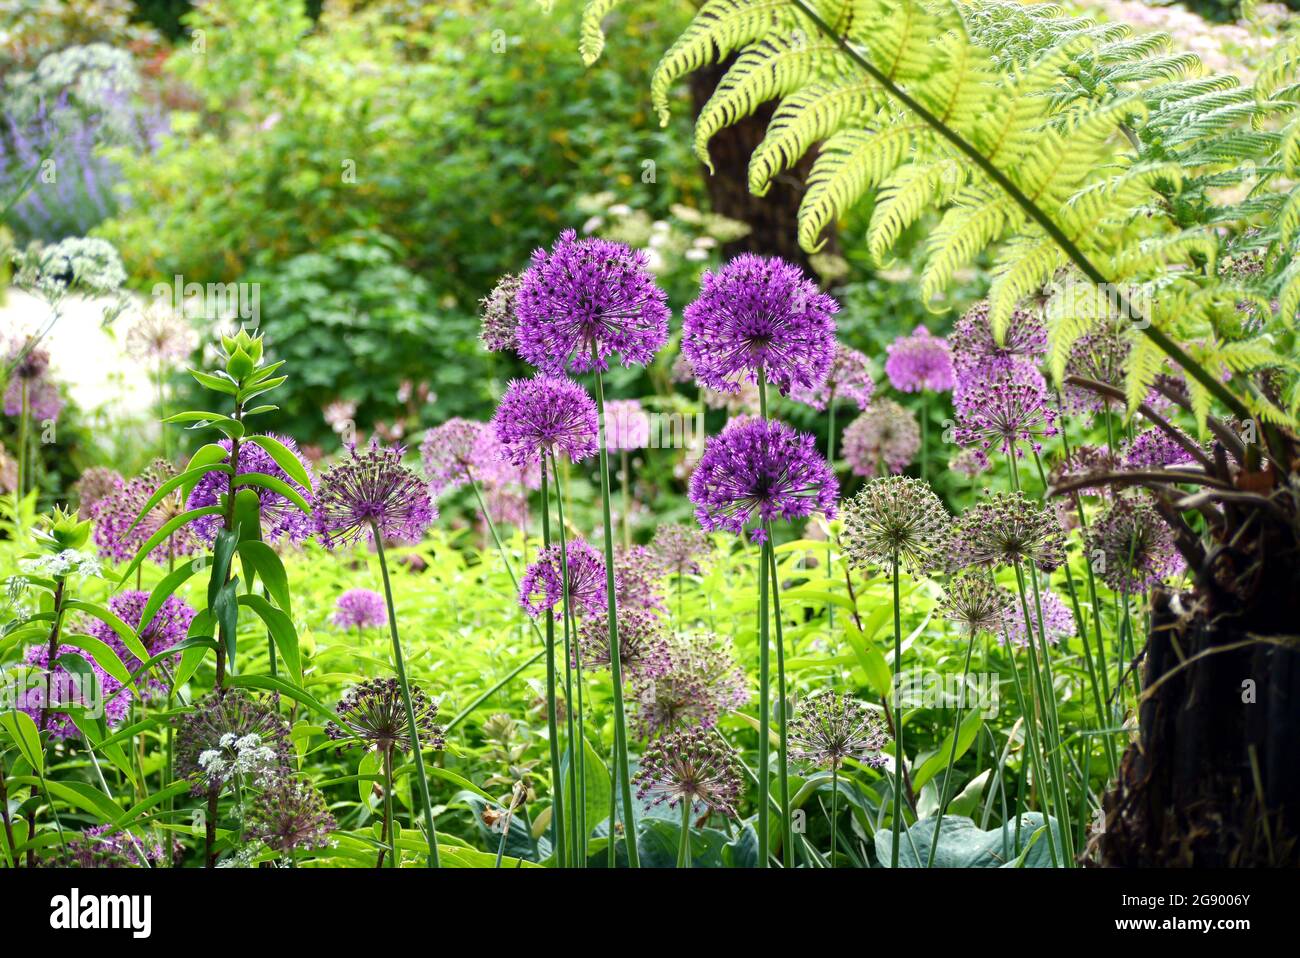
400 666
835 798
783 745
624 772
946 790
566 614
897 824
684 843
552 725
830 459
389 833
764 712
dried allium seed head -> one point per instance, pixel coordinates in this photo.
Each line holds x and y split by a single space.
642 644
678 548
542 586
830 728
885 435
700 684
500 326
976 603
895 518
1131 546
690 765
1005 528
371 489
229 733
374 714
290 815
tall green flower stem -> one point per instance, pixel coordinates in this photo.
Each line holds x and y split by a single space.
575 802
625 489
1028 706
896 825
623 772
835 808
946 789
830 460
400 666
24 417
552 730
783 745
684 842
389 834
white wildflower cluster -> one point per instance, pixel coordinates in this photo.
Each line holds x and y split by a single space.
246 758
76 263
62 564
92 80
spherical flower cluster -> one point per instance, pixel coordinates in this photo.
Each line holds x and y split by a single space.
46 690
973 343
1001 404
690 765
232 733
1058 621
700 684
500 325
542 586
161 336
642 644
360 609
830 728
920 362
117 534
1101 355
168 627
30 385
759 317
638 577
968 462
96 483
895 519
760 469
627 425
849 378
678 548
546 416
1132 547
371 490
281 519
374 715
975 603
1005 528
290 815
586 300
1155 449
885 435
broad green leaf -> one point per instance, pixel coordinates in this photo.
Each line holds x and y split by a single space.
275 485
261 562
159 537
282 631
285 459
124 632
22 731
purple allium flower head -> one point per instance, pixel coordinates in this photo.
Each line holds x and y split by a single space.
371 489
920 362
701 682
30 380
546 415
1134 546
760 469
360 609
96 483
114 514
1154 449
281 519
589 296
69 688
849 378
638 576
968 462
1058 621
1005 528
973 344
374 715
759 315
542 586
830 728
678 548
104 847
290 815
642 644
973 601
1001 404
1101 355
690 765
232 733
895 518
461 450
627 425
885 435
169 626
500 325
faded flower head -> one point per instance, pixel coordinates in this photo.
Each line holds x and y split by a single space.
642 644
627 425
973 343
975 603
281 519
542 586
920 362
764 470
290 815
700 684
101 846
830 728
895 519
1101 355
885 435
30 388
1058 621
544 416
849 378
232 733
1131 547
500 326
968 462
1005 528
690 765
96 483
759 316
585 300
161 335
678 548
359 609
638 578
1001 404
374 715
370 489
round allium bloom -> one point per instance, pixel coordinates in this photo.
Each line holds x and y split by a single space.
43 398
678 548
642 644
973 343
161 335
759 316
369 490
500 327
920 362
542 586
290 815
96 483
589 296
1058 621
1001 404
1101 355
627 425
690 765
1005 528
232 733
1154 449
764 469
638 577
506 504
1131 547
895 518
700 684
107 700
114 514
104 847
281 519
360 609
829 728
968 462
169 626
849 378
546 415
885 435
374 715
975 603
462 450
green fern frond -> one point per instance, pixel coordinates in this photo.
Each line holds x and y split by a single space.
981 215
1159 253
907 193
1145 363
591 34
900 34
804 118
1023 266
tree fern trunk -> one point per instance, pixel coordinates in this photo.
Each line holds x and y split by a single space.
773 219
